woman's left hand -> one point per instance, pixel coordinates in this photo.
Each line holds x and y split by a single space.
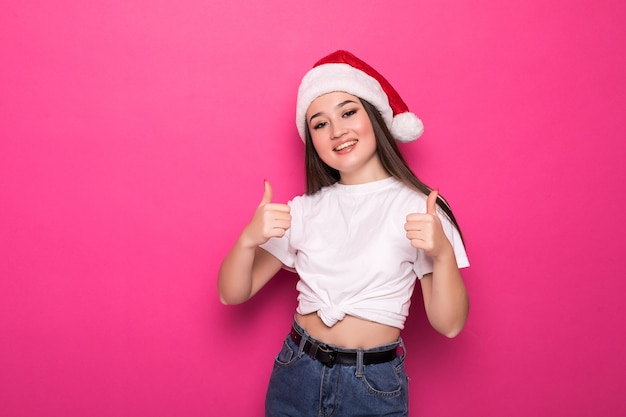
425 231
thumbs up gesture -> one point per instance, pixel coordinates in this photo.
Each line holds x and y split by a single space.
425 231
269 220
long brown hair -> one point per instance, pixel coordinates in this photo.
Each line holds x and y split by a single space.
319 175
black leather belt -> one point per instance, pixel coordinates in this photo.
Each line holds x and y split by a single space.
330 356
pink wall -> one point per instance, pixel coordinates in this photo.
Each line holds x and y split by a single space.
135 136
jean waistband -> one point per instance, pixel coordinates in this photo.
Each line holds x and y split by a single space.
330 355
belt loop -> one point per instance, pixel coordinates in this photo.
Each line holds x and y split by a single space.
313 350
402 354
359 363
302 341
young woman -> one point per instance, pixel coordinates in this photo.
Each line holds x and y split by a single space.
365 232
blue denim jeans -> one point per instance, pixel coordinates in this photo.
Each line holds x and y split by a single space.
301 386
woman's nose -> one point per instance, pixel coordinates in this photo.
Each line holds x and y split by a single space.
339 131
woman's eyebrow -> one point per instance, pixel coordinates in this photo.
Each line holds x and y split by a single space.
343 103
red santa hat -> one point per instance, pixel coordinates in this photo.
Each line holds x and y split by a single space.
342 71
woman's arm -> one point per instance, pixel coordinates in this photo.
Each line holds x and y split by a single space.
247 268
244 272
445 295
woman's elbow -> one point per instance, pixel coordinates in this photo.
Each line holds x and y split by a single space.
452 332
450 327
224 301
231 300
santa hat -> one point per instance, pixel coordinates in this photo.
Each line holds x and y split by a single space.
342 71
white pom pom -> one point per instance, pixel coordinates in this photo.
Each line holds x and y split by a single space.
406 127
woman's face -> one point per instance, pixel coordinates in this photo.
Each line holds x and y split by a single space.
343 137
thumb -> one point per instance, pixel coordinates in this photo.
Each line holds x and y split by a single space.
431 202
267 194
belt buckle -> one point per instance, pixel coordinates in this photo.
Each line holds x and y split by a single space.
330 355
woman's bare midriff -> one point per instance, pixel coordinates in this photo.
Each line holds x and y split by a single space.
349 333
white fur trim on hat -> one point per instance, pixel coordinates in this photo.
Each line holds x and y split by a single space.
327 78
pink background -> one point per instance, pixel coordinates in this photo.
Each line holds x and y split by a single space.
135 137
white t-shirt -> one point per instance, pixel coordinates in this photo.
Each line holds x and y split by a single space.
349 247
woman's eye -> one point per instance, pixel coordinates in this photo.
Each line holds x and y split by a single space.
319 125
349 113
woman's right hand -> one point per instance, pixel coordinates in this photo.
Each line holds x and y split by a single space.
269 220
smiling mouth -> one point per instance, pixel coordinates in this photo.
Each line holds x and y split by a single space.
345 145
